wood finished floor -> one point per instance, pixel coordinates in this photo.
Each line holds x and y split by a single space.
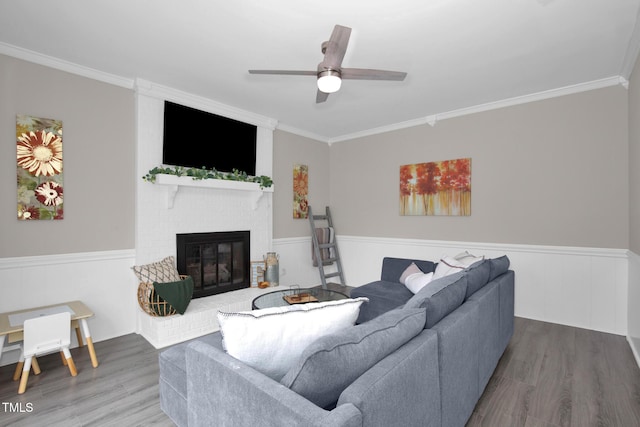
550 375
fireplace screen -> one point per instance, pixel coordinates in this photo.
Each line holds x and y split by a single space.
217 262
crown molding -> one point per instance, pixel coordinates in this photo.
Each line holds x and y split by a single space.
69 67
155 90
539 96
633 48
303 133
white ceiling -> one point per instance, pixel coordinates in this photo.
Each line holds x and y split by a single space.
458 54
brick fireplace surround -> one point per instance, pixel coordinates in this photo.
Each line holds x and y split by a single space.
163 211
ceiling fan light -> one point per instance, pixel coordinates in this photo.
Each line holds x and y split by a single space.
329 81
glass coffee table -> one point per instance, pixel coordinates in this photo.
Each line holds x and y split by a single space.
291 296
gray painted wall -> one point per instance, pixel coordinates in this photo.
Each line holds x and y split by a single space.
634 159
552 172
98 153
288 150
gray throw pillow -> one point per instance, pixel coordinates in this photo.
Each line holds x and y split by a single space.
331 363
440 297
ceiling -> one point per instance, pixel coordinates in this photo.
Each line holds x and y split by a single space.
458 54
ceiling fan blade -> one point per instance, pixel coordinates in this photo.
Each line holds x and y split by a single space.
285 72
369 74
336 47
321 97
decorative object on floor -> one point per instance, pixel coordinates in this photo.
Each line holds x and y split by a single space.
272 272
163 271
39 168
436 188
325 236
300 191
153 304
271 340
44 335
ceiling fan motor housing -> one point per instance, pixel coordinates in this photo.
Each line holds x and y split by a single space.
329 80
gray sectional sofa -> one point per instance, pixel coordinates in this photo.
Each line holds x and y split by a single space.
413 360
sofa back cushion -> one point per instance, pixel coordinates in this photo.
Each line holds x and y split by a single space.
331 363
272 339
440 297
392 268
477 276
499 266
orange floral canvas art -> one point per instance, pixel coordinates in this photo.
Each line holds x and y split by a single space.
300 191
436 188
39 168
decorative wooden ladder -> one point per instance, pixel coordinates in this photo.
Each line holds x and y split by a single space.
332 246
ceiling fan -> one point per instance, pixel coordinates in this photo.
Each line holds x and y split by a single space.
330 72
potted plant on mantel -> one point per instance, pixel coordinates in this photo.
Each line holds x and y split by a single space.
204 173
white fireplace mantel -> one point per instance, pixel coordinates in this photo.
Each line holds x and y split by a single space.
173 184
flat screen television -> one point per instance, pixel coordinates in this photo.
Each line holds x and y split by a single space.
195 138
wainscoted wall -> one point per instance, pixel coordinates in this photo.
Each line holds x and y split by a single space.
102 280
581 287
633 332
295 264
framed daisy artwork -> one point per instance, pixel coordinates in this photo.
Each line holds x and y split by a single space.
39 168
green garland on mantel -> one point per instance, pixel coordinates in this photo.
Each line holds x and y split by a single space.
204 173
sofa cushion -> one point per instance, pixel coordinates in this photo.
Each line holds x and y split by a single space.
333 362
499 266
392 268
271 340
440 297
383 296
477 276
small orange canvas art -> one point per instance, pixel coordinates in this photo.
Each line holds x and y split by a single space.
436 188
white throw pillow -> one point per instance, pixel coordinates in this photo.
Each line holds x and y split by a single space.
272 339
446 266
468 258
449 265
412 269
417 281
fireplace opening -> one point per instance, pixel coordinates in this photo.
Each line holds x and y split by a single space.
218 262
